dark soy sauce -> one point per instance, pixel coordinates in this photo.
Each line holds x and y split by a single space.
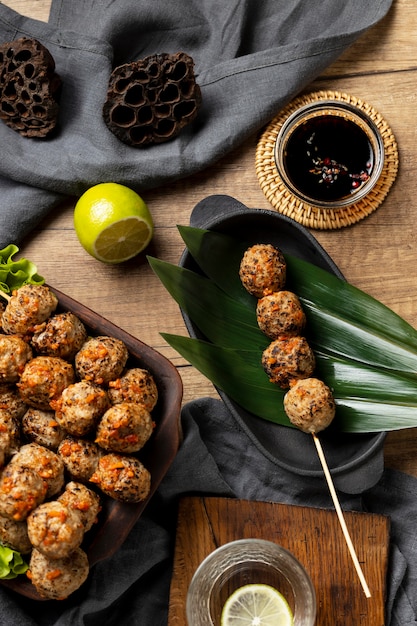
328 158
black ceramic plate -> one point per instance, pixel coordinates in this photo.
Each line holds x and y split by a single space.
355 460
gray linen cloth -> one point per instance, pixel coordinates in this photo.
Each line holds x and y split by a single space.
218 457
250 58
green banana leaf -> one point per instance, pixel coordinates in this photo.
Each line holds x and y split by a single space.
365 352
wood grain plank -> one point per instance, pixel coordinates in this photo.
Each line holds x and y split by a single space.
312 535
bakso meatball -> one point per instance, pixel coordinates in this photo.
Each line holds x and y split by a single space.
122 477
44 379
11 401
56 579
9 436
287 359
54 529
280 314
14 354
80 407
101 359
39 426
62 335
80 457
46 463
15 535
28 306
21 491
310 405
263 269
83 501
135 385
125 427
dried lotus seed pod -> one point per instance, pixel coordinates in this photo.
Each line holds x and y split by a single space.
151 100
29 87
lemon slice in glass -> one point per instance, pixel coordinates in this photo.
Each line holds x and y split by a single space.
256 605
112 222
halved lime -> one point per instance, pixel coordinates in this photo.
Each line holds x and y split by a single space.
112 222
256 605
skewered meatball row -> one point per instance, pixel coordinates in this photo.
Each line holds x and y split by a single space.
289 360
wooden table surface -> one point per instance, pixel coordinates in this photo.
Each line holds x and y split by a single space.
378 254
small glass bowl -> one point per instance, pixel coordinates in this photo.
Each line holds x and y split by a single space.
329 154
243 562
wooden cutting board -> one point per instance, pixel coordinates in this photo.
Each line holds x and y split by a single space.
313 535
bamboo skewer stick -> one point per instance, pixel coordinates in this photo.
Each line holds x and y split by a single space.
4 295
341 516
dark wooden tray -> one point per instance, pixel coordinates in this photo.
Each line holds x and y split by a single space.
313 535
116 518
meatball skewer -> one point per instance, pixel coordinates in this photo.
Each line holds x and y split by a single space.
309 403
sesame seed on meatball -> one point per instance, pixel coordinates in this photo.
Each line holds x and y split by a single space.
101 359
263 269
287 359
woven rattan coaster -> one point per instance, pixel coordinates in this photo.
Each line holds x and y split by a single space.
309 215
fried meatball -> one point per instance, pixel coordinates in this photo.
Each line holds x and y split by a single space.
44 379
80 407
9 436
14 354
21 491
83 501
54 529
125 427
11 401
280 314
39 426
46 463
80 457
56 579
287 359
62 335
28 306
263 269
101 359
122 478
309 405
135 385
15 535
